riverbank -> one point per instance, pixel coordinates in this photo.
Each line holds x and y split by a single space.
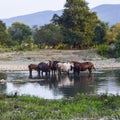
21 60
81 107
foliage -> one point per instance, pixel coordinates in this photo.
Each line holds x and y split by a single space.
117 46
100 33
112 33
102 49
77 23
48 35
62 46
3 33
81 106
3 76
20 33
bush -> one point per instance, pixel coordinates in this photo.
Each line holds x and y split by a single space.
117 46
3 76
102 50
62 46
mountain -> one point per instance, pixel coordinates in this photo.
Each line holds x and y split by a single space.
109 13
38 18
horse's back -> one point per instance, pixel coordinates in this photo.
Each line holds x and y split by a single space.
33 66
44 66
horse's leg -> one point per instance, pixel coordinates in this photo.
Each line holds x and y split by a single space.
90 70
78 72
67 72
30 73
46 73
49 73
42 73
52 72
79 68
74 71
59 72
38 73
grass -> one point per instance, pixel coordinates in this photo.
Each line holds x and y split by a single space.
82 106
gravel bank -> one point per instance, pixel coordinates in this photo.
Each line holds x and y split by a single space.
21 60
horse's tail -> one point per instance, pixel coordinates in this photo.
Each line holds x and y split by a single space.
94 67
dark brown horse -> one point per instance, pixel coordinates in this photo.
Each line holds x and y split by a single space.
82 66
45 67
54 66
33 67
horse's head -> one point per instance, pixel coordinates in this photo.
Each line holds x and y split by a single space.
50 63
71 66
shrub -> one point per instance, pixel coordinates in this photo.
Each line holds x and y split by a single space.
102 49
117 46
62 46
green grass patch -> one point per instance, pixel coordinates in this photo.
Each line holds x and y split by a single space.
81 106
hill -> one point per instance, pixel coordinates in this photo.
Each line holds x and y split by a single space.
108 13
38 18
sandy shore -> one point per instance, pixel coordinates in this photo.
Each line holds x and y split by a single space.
21 60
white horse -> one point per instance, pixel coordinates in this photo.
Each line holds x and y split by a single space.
64 67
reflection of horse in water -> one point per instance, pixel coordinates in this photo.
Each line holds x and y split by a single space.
56 81
83 79
68 85
64 80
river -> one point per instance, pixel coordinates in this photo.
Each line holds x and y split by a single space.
64 86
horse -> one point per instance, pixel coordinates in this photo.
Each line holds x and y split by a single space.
54 66
33 67
45 67
64 67
82 66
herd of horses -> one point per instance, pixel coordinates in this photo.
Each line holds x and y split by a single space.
60 67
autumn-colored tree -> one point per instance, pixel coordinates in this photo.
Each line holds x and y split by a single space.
112 33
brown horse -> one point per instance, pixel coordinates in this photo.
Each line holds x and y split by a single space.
33 67
82 66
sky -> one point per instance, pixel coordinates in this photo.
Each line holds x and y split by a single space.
13 8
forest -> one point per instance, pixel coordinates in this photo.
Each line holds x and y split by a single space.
76 28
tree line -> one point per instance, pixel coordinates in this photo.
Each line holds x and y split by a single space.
77 28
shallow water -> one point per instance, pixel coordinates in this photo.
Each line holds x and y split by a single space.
55 87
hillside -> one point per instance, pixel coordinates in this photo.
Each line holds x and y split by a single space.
39 18
108 13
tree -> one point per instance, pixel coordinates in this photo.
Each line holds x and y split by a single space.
77 23
48 35
20 33
100 33
3 33
113 32
117 46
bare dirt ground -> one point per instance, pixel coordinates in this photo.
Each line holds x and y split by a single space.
21 60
